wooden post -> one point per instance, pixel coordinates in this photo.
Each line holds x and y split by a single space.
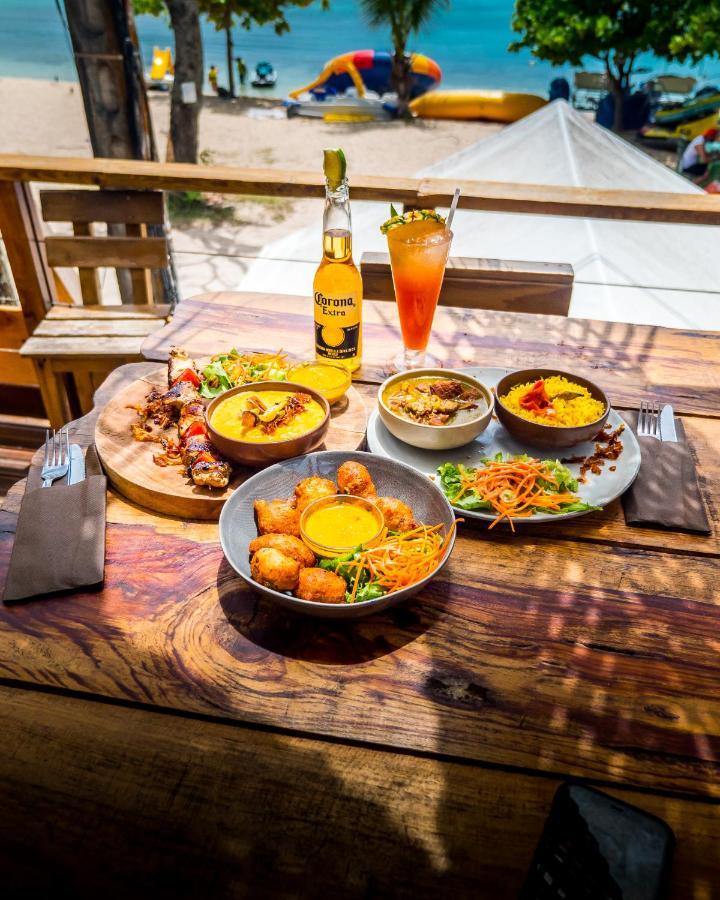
24 244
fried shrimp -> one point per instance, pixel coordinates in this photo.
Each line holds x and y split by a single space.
321 585
398 515
313 488
277 517
287 544
354 478
275 570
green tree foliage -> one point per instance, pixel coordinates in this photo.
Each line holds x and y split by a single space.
405 17
613 31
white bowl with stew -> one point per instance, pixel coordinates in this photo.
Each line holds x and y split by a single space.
417 407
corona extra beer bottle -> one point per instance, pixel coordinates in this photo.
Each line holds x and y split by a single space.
337 288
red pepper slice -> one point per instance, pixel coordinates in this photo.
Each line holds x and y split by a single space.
536 398
194 428
204 457
188 375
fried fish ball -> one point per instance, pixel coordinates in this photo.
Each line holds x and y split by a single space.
287 544
321 585
277 517
313 488
275 570
354 478
398 515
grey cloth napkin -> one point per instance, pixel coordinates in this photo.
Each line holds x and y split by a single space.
60 536
666 493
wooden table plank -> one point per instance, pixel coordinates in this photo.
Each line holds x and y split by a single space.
632 362
518 654
520 635
181 806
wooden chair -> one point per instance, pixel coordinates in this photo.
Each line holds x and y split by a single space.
484 284
75 347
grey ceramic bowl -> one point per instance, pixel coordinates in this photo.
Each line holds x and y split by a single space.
392 479
434 437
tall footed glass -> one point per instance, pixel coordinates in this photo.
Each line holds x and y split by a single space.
418 256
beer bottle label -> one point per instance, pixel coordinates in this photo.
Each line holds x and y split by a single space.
337 327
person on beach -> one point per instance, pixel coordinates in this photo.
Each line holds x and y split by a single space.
241 69
695 159
213 78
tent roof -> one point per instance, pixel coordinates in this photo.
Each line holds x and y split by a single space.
644 272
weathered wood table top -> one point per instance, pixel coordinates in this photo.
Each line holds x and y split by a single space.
414 752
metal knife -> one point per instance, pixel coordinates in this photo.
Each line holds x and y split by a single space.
77 464
667 424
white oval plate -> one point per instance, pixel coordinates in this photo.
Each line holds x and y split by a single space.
599 490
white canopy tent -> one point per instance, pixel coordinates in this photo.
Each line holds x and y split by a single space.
639 272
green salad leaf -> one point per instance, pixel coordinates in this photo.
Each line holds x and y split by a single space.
450 479
215 379
367 589
451 475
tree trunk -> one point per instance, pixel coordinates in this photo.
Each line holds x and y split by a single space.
185 21
400 78
229 47
618 92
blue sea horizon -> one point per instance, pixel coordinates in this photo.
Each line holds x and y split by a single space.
469 42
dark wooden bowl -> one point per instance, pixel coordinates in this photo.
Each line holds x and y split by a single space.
550 437
250 453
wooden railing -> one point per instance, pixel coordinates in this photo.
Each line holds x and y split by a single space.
646 206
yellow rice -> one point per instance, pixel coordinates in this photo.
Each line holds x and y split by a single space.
568 413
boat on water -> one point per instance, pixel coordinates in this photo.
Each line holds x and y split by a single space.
265 76
162 70
357 86
701 104
346 107
495 106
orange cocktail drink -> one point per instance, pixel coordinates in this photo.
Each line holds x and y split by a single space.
418 255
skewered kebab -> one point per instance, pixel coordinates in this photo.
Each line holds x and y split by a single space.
182 403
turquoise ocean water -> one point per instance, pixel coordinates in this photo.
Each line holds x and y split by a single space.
469 42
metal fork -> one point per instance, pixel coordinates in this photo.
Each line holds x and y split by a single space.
648 424
57 456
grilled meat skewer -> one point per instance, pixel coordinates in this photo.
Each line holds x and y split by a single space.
203 463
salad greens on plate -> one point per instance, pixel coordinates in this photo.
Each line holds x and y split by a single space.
512 487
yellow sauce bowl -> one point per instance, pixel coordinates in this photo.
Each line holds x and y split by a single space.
342 524
328 379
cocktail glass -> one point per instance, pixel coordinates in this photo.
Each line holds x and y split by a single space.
418 256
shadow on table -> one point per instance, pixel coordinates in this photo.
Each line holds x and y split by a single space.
326 641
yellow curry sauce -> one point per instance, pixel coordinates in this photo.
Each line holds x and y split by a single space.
227 417
341 525
329 380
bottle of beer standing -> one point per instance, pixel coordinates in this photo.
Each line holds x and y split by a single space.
337 288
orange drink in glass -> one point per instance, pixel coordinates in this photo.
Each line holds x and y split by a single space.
418 255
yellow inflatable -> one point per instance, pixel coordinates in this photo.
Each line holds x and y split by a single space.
497 106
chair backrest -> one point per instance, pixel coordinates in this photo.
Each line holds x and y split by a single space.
590 81
675 84
484 284
129 212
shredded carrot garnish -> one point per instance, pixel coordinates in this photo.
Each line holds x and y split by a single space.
402 559
511 487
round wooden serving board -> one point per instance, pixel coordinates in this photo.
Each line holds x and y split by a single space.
130 468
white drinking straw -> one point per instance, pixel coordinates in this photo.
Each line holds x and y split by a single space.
453 207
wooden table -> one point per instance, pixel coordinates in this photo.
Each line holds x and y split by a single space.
175 731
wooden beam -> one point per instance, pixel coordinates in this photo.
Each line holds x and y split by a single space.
116 207
111 252
471 283
21 230
554 200
13 330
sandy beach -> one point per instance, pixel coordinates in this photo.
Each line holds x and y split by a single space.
47 118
